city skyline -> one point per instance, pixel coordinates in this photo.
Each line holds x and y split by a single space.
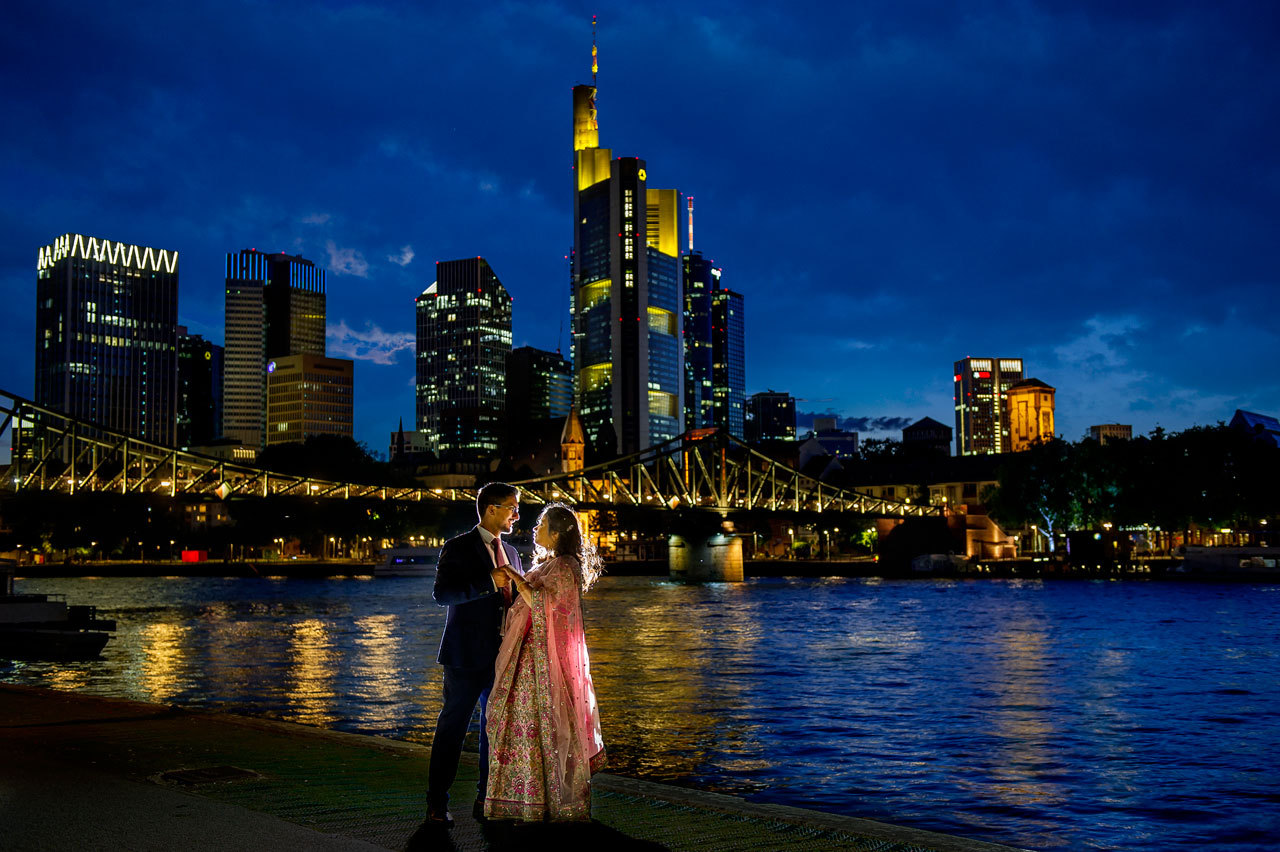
1085 189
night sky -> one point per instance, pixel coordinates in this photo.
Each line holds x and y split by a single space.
1092 187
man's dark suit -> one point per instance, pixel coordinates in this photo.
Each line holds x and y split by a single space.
468 651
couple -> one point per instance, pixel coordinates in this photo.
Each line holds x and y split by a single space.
514 642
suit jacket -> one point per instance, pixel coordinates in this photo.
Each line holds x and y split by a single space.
473 625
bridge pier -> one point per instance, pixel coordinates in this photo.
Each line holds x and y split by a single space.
705 559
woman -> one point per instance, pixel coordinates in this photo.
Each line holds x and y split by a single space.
543 725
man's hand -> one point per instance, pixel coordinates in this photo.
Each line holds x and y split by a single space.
500 578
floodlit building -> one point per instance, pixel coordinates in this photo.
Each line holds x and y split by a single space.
981 420
1030 413
275 307
309 395
107 334
1111 431
463 340
625 294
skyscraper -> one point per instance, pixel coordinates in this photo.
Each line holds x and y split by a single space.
199 406
981 411
714 349
625 294
275 307
464 337
107 334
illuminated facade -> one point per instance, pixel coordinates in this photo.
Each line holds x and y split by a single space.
714 350
981 418
1030 412
625 294
107 334
463 340
309 395
199 408
771 416
275 307
1111 431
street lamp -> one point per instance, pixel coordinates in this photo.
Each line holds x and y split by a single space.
791 532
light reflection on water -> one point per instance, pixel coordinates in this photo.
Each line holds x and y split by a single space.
1050 715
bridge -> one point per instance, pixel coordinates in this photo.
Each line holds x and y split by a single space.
713 473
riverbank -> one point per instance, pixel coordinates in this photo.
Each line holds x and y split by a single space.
1156 568
84 772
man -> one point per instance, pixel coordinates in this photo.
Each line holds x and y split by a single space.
471 582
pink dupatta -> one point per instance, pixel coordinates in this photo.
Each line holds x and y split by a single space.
543 672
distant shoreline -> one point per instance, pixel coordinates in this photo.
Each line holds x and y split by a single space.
1152 570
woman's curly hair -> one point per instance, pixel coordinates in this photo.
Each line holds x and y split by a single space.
566 532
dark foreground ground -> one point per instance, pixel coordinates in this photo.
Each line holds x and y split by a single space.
85 773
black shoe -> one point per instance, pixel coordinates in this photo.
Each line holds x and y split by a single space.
477 810
439 817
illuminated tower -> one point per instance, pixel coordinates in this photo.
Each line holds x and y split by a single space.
275 307
107 334
714 349
1029 405
464 338
626 300
982 424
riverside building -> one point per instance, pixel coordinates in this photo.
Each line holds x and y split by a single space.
625 298
275 307
1031 411
981 385
107 334
463 340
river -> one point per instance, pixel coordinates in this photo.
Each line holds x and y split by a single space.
1056 714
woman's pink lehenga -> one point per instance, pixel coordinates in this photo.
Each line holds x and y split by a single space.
543 724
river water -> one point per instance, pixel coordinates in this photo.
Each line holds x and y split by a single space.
1044 714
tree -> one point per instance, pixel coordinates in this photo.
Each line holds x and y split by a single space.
1035 487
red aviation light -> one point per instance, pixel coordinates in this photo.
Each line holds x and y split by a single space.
957 377
984 375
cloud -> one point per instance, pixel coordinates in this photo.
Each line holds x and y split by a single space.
862 425
371 344
316 218
404 258
347 261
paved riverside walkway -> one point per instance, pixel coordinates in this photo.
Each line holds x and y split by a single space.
84 773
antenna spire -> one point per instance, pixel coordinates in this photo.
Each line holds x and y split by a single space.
595 65
690 197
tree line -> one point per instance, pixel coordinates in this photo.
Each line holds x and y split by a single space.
1209 476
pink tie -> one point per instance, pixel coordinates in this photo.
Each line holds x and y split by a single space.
501 558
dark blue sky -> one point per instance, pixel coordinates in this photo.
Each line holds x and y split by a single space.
892 185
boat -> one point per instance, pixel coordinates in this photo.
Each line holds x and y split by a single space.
408 562
44 627
939 563
1262 561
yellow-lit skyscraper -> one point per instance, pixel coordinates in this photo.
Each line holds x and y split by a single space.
626 300
275 307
